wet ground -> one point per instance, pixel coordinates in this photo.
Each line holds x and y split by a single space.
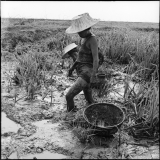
38 129
7 125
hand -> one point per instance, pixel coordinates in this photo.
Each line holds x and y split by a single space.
93 80
70 72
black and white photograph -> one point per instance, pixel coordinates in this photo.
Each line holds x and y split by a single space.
80 80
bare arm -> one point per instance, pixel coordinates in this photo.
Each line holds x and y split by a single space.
94 48
73 66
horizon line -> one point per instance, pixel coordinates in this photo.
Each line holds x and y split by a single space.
70 20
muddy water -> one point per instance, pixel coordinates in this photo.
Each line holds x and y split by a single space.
45 155
8 125
120 88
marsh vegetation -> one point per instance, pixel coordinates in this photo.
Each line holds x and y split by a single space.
34 48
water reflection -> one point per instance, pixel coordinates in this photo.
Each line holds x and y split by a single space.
45 155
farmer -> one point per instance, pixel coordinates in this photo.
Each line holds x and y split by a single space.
70 51
87 62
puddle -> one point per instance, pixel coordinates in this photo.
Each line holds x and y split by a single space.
44 155
120 88
8 125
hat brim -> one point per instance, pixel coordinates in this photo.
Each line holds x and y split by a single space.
72 30
67 49
66 55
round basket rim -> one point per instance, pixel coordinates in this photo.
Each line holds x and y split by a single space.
108 127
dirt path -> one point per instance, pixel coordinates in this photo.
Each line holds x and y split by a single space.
44 132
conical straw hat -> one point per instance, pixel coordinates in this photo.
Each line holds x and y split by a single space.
68 48
80 23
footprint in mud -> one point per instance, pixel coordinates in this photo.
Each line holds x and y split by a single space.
39 150
49 146
27 130
45 106
46 152
8 134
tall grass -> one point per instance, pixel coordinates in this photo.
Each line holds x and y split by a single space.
145 103
119 44
30 70
123 46
140 52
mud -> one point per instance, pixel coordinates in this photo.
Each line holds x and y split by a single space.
42 131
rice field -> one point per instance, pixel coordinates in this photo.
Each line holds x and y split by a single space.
133 46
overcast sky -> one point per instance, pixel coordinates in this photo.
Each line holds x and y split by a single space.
131 11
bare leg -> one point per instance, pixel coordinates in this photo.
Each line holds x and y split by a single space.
88 95
77 87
